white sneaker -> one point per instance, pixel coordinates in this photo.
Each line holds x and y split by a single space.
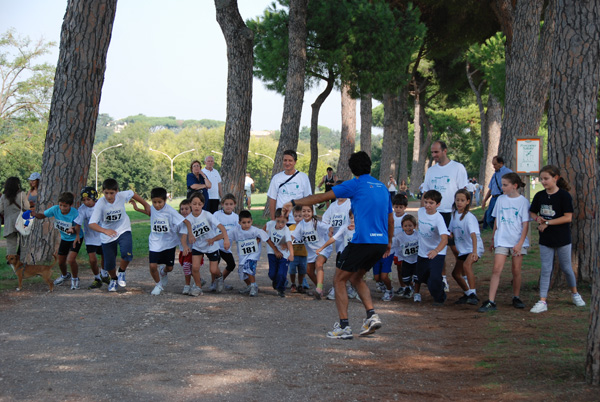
157 289
112 286
121 279
227 287
61 279
446 287
370 325
219 284
340 333
164 278
381 287
352 293
245 290
74 283
388 295
186 290
253 289
539 307
213 286
196 291
417 298
331 295
578 300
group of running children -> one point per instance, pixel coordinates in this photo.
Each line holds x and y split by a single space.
418 249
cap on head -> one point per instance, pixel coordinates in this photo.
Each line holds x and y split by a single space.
35 176
89 192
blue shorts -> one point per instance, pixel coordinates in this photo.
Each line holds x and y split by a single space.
384 265
247 269
109 250
166 257
299 265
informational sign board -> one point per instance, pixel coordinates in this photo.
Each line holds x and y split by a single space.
529 155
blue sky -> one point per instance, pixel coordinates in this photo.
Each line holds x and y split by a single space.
166 58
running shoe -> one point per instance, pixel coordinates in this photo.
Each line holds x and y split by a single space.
381 287
446 286
294 289
578 300
112 286
74 283
219 284
331 294
539 307
213 286
227 287
281 294
164 278
517 303
340 333
370 325
61 279
196 291
121 279
318 294
473 299
388 296
253 290
352 293
408 292
487 306
186 290
417 298
245 290
106 279
463 300
202 282
157 289
97 284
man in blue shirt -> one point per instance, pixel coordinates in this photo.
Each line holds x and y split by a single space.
494 191
374 230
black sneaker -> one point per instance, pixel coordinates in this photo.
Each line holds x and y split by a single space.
281 294
472 299
463 300
517 303
97 284
106 279
487 306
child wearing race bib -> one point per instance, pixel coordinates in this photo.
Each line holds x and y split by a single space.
467 239
314 234
164 238
64 214
110 219
299 263
280 252
406 250
337 217
399 205
185 209
93 244
230 220
204 230
249 239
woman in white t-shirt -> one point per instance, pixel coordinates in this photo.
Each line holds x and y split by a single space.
510 238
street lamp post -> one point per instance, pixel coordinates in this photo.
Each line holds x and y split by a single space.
172 159
266 156
96 155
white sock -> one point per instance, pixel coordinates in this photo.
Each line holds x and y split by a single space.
104 273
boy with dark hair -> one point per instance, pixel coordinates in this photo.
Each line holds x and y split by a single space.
64 214
399 205
110 219
281 251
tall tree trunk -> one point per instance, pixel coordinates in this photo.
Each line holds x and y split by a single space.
421 143
239 39
403 133
347 141
389 147
366 122
493 117
294 86
528 56
482 121
314 130
84 41
572 143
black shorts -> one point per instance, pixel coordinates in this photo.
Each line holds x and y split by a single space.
360 256
447 218
166 257
462 257
215 256
93 249
66 246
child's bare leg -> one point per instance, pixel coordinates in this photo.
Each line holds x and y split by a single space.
319 268
93 258
72 261
310 271
196 259
468 271
251 278
154 272
385 278
293 279
214 270
499 260
62 264
516 273
457 274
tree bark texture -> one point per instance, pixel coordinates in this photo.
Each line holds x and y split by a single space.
482 120
314 130
493 118
403 134
572 143
389 147
84 41
528 56
294 87
366 122
347 142
421 144
239 39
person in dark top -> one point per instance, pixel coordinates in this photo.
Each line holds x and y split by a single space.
197 181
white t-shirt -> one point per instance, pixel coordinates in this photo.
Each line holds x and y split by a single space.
247 244
447 180
296 188
313 238
462 230
164 228
204 227
215 179
337 216
431 228
344 236
248 182
510 213
112 216
181 230
230 222
92 238
406 247
279 237
470 187
398 224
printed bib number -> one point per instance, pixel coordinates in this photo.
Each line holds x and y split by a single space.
310 237
276 237
248 247
62 226
160 228
113 217
337 221
201 230
410 249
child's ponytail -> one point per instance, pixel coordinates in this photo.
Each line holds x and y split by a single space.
554 172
